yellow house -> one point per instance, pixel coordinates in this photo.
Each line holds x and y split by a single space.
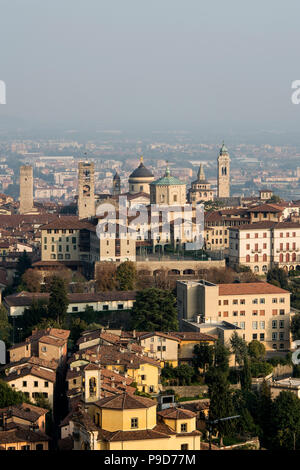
129 422
144 370
188 340
162 346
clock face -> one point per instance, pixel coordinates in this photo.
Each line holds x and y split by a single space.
86 190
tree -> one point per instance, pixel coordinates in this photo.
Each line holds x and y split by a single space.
58 301
33 315
246 376
9 396
24 263
256 349
280 276
31 280
221 357
154 310
5 326
295 326
184 374
264 413
286 421
239 348
126 275
203 355
106 276
221 404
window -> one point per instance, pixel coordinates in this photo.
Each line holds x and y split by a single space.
27 447
247 235
254 336
261 337
44 348
282 300
183 427
134 423
242 313
35 384
105 307
261 301
120 306
274 301
184 447
235 301
242 301
225 302
274 323
274 336
242 325
281 336
24 383
254 312
143 377
281 312
74 309
225 314
274 312
262 312
254 325
39 447
262 325
255 301
281 323
46 384
235 314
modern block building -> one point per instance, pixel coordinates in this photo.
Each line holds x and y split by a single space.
259 310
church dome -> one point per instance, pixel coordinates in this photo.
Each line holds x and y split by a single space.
141 172
223 150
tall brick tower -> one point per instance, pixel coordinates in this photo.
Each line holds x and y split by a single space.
223 172
26 189
86 189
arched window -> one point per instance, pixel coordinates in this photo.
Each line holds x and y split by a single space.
287 257
256 269
248 259
265 268
264 257
255 258
294 257
92 386
281 258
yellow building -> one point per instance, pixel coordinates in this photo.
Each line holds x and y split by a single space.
129 422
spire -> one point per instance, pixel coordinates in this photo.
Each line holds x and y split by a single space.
141 159
223 149
201 174
167 173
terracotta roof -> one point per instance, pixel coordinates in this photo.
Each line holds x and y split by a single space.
268 224
25 411
20 434
67 222
193 336
248 288
26 298
131 435
176 413
33 370
125 401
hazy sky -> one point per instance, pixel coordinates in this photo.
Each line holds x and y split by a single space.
159 64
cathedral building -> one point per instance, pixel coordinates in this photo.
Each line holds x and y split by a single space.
168 190
140 179
201 189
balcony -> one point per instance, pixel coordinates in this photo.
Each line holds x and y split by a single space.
256 251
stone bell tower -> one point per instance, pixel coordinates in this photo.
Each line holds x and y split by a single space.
223 172
86 190
26 189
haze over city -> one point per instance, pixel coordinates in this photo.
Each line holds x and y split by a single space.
217 68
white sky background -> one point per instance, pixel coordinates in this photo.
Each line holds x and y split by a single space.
178 64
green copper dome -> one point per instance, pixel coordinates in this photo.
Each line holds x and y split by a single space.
167 180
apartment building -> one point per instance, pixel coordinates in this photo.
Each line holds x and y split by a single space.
264 245
258 310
